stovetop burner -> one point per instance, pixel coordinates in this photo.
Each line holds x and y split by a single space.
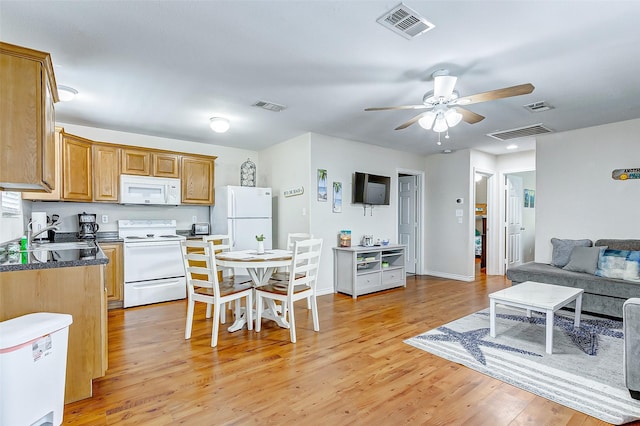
148 230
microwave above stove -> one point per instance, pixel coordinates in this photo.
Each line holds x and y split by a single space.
149 190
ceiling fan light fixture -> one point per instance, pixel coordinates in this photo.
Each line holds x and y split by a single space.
219 124
427 120
453 117
440 125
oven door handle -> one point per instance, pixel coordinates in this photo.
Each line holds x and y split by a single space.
153 244
156 284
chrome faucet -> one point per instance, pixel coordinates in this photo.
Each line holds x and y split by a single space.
31 236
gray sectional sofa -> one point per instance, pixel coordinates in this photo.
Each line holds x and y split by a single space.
604 296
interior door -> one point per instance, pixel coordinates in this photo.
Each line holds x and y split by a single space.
407 224
514 188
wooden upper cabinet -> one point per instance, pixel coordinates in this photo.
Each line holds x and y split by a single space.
77 169
27 119
106 172
136 162
56 193
166 165
197 180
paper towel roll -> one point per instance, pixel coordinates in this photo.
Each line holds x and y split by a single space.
38 223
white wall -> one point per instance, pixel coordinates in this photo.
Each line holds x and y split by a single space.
227 172
576 196
295 162
449 250
286 166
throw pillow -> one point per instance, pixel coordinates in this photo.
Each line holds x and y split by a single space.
562 250
620 264
584 259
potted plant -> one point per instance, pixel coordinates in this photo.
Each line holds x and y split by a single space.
260 239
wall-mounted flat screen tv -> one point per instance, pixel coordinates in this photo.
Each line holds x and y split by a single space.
371 189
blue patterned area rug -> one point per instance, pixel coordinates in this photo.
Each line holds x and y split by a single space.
585 371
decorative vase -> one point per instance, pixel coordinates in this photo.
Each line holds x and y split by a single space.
260 247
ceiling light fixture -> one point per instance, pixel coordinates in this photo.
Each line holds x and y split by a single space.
66 93
512 146
219 124
440 119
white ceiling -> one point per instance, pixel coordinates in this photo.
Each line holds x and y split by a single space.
164 67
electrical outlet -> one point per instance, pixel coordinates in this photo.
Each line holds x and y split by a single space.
194 219
105 218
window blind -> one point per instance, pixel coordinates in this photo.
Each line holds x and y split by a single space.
11 203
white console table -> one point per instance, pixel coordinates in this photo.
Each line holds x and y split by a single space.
361 270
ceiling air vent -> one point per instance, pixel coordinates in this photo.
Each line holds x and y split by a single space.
504 135
538 106
405 21
269 106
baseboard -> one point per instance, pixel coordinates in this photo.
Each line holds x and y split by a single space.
450 276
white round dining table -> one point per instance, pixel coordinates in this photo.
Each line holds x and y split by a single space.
260 268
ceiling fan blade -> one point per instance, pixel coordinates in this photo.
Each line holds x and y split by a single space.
397 107
469 116
443 86
507 92
410 122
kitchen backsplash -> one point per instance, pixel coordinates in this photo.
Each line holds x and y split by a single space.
68 212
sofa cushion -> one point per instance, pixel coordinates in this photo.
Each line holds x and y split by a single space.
584 259
562 250
621 264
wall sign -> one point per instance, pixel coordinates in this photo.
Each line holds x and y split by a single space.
624 174
293 192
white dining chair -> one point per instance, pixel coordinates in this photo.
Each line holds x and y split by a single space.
292 237
224 243
301 285
199 262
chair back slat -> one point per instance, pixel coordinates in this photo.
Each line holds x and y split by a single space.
304 263
199 262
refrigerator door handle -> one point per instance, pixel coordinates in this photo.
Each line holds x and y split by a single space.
233 234
232 202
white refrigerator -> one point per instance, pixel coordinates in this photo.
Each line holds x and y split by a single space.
243 212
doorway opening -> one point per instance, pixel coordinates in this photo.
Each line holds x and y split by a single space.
480 224
410 208
520 217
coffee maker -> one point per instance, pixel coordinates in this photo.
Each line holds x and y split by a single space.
87 226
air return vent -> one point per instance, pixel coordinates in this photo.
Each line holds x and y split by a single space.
405 21
270 106
538 106
504 135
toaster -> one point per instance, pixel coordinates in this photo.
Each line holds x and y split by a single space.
200 229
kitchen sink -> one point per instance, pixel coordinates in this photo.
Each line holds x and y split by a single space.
68 245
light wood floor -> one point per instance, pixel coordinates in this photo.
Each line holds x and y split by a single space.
355 371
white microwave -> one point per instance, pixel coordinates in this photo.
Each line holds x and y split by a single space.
149 190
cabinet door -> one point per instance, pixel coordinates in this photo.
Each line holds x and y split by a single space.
77 182
27 117
56 194
136 162
197 180
166 165
48 137
114 278
106 170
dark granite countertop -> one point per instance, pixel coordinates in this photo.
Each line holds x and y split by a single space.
46 259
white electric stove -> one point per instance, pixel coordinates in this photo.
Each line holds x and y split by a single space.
153 268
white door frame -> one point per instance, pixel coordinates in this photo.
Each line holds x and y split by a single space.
420 183
502 235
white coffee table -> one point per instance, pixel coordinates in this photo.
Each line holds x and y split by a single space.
540 297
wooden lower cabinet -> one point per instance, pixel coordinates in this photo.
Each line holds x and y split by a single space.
114 274
78 291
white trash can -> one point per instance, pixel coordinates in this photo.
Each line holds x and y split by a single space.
33 362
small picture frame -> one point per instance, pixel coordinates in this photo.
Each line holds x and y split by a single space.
322 185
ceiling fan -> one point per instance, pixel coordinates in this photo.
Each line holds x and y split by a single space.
445 105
